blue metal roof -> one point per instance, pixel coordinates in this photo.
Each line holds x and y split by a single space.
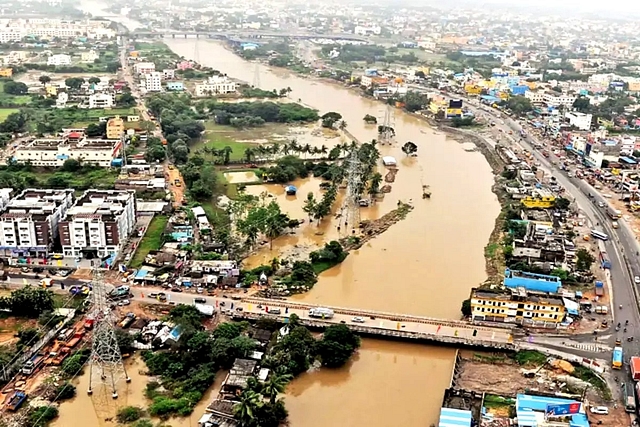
454 418
141 274
529 408
628 160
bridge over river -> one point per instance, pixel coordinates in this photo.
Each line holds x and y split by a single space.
242 35
458 333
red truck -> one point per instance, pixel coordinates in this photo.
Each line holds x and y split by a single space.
634 363
75 340
88 324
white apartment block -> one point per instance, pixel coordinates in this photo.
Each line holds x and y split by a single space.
144 67
534 97
168 74
558 99
99 223
17 29
89 56
579 120
215 85
29 222
102 100
60 59
54 152
153 82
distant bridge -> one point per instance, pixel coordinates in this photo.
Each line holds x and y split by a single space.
452 332
243 34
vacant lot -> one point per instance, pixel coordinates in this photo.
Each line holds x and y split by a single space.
152 240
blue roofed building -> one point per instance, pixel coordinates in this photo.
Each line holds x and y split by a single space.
540 411
450 417
531 281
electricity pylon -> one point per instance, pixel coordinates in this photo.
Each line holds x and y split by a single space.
351 205
386 135
105 364
256 76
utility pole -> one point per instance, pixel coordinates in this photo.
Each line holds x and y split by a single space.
256 76
105 364
351 205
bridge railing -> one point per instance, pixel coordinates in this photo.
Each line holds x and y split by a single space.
370 313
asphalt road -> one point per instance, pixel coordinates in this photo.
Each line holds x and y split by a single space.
622 241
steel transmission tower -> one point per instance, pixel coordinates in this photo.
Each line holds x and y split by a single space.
386 135
105 365
351 205
256 76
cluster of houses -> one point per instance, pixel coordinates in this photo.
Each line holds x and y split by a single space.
220 410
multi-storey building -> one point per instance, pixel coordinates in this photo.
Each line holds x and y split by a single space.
30 222
144 67
17 29
215 85
54 152
153 82
99 223
517 307
60 59
115 128
102 100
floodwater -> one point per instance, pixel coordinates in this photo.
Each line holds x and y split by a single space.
415 267
425 264
100 408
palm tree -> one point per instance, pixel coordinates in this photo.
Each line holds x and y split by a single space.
324 150
306 149
294 147
259 151
342 125
275 386
275 148
245 410
374 184
285 149
249 155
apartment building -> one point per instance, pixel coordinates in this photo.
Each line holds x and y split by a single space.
29 222
168 74
580 121
99 223
534 97
102 100
153 82
115 128
558 99
518 306
59 60
54 152
144 67
17 29
215 85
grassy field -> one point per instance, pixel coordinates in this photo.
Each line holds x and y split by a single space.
152 240
12 99
4 113
218 137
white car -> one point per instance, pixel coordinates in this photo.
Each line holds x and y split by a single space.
124 302
358 319
600 410
636 279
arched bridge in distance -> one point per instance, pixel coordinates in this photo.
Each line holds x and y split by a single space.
401 326
241 35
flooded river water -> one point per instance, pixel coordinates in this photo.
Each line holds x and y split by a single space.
425 264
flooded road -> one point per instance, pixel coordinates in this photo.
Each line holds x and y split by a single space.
415 267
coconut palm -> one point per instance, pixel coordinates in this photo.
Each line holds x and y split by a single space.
324 150
249 154
374 184
275 385
245 410
294 146
306 149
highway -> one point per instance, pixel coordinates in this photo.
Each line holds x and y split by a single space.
621 243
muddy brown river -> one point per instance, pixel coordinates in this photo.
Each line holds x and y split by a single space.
425 264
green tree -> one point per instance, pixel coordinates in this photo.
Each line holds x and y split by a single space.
129 414
369 119
310 205
71 165
74 82
41 416
15 88
409 148
562 203
246 408
65 391
584 259
94 80
44 79
276 385
330 118
337 345
466 307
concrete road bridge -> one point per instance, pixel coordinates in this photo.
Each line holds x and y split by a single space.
452 332
242 35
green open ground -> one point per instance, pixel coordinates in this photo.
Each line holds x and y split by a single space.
4 113
220 136
152 240
8 99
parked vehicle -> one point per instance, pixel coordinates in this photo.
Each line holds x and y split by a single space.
600 410
358 319
321 312
16 400
32 364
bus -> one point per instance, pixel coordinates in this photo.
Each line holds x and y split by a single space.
616 362
599 235
604 260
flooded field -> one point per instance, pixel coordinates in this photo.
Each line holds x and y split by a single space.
240 177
